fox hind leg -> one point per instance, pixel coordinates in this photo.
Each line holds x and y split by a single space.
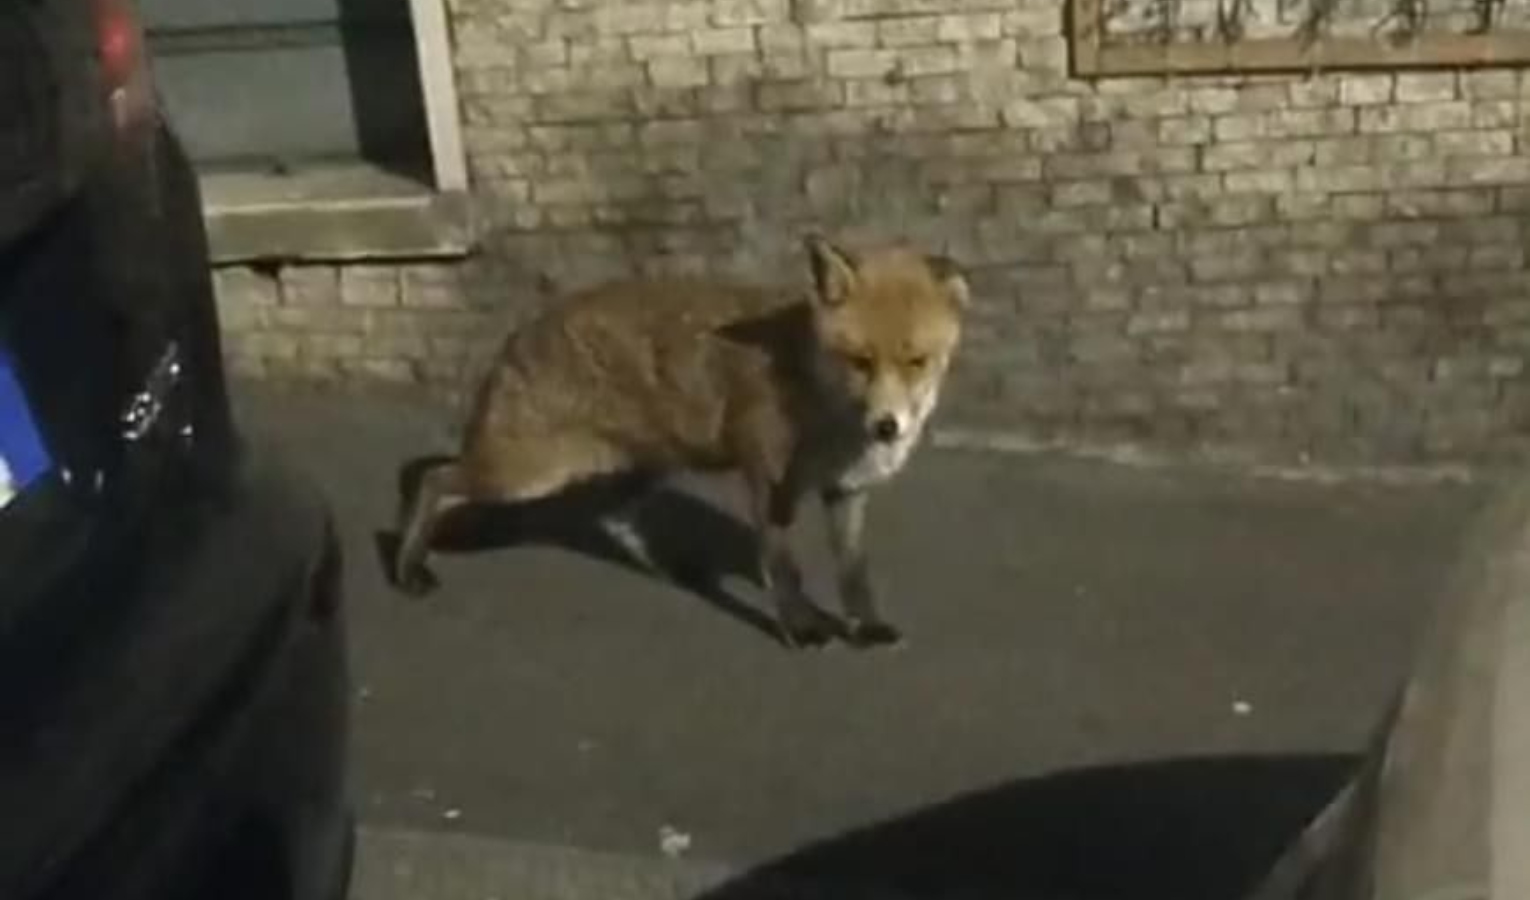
500 474
441 489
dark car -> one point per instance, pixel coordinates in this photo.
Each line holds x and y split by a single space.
173 694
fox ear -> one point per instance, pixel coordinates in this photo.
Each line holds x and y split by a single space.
833 270
948 274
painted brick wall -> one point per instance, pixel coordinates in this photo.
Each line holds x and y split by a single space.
1330 266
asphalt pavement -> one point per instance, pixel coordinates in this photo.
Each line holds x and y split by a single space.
1120 682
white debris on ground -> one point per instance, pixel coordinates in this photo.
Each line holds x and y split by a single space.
1242 708
673 842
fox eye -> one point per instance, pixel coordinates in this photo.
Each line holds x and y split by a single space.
860 362
917 363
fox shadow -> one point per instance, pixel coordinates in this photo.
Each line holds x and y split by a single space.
1194 828
694 545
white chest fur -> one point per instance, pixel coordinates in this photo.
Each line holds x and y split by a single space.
874 462
877 462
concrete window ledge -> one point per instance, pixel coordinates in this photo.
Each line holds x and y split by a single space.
334 212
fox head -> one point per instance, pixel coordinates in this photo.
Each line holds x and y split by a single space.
887 323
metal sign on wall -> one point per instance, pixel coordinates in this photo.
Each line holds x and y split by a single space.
1155 37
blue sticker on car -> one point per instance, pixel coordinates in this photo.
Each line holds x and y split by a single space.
23 456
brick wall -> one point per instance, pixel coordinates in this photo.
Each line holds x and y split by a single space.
1330 266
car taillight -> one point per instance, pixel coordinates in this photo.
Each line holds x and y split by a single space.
124 59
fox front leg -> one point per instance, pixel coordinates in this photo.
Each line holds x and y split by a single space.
846 511
802 622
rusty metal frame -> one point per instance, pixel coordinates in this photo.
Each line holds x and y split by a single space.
1096 57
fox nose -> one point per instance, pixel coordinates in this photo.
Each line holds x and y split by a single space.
885 429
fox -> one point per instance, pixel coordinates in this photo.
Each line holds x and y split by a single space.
821 389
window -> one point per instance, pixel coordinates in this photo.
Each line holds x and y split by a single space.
296 110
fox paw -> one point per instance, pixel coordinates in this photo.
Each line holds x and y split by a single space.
867 634
416 581
809 628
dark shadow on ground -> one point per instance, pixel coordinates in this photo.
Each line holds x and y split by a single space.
696 546
1186 829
